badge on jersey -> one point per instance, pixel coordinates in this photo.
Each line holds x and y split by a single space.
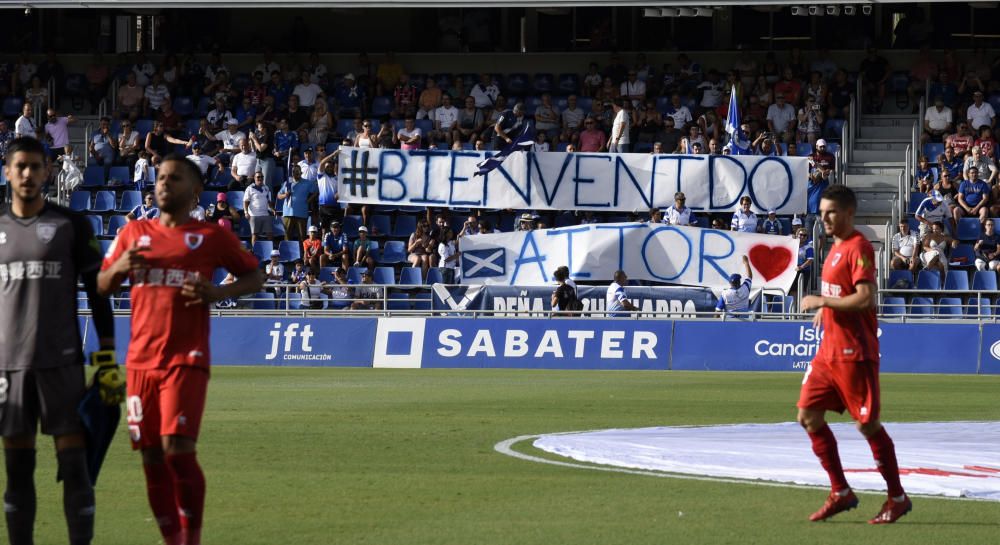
193 240
836 259
46 232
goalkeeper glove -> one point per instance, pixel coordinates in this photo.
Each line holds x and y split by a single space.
109 377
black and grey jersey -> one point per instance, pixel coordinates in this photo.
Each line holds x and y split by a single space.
41 258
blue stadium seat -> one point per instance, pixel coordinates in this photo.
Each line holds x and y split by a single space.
950 306
380 225
516 83
569 84
184 106
345 126
979 307
82 302
894 306
928 280
350 225
104 201
354 274
422 303
425 126
114 224
434 276
984 280
399 301
405 226
262 249
326 274
96 225
506 222
962 256
381 106
93 176
900 280
290 250
833 129
262 301
833 147
968 229
443 79
105 245
122 302
143 126
921 306
544 82
565 219
994 101
130 199
916 198
121 174
191 126
409 276
235 199
393 252
292 300
12 107
206 199
932 150
277 227
804 149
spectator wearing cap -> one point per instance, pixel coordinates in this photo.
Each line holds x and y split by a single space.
364 249
258 206
679 213
822 162
781 119
508 126
621 128
905 248
350 97
243 166
336 248
771 225
736 298
744 220
803 267
526 222
204 162
338 290
274 273
222 213
309 165
312 289
937 121
369 296
987 248
931 210
980 113
312 249
298 195
973 197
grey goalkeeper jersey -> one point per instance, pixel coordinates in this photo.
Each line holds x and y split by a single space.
40 260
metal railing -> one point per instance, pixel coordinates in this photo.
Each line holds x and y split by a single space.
971 305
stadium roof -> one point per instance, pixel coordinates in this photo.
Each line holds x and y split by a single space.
161 4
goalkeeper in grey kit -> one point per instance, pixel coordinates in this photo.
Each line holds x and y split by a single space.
44 250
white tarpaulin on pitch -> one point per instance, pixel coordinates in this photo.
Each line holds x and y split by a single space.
956 459
572 181
645 251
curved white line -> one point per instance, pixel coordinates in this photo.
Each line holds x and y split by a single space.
505 447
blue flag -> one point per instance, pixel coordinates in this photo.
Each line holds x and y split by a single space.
739 144
521 142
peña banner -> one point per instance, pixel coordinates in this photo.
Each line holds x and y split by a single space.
645 251
571 181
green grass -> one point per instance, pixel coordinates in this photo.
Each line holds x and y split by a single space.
357 456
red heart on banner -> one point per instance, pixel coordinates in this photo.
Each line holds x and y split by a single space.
769 261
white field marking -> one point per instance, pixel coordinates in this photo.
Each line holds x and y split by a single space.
506 447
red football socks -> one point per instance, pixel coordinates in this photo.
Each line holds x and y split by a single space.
824 445
160 490
189 490
884 452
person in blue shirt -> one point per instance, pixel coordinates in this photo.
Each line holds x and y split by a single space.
951 162
329 210
973 198
736 298
145 211
298 195
771 225
803 267
924 178
336 248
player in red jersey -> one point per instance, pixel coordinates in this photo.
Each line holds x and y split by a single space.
169 261
844 373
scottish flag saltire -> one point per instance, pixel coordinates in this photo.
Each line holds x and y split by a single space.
522 142
739 144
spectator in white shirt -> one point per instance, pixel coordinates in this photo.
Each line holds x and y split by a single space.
679 214
547 117
309 165
155 95
905 248
57 129
204 162
25 125
980 113
744 221
781 119
937 121
633 88
445 118
243 166
620 128
307 91
410 135
485 92
258 207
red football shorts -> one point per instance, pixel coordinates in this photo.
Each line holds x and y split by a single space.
165 402
836 387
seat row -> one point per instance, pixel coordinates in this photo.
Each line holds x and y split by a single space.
955 279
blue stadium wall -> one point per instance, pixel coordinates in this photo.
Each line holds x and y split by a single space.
608 344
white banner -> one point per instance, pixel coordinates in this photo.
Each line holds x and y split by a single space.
572 181
645 251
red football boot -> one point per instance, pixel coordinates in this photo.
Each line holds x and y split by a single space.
892 510
835 504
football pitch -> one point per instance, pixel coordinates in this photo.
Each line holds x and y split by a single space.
315 456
